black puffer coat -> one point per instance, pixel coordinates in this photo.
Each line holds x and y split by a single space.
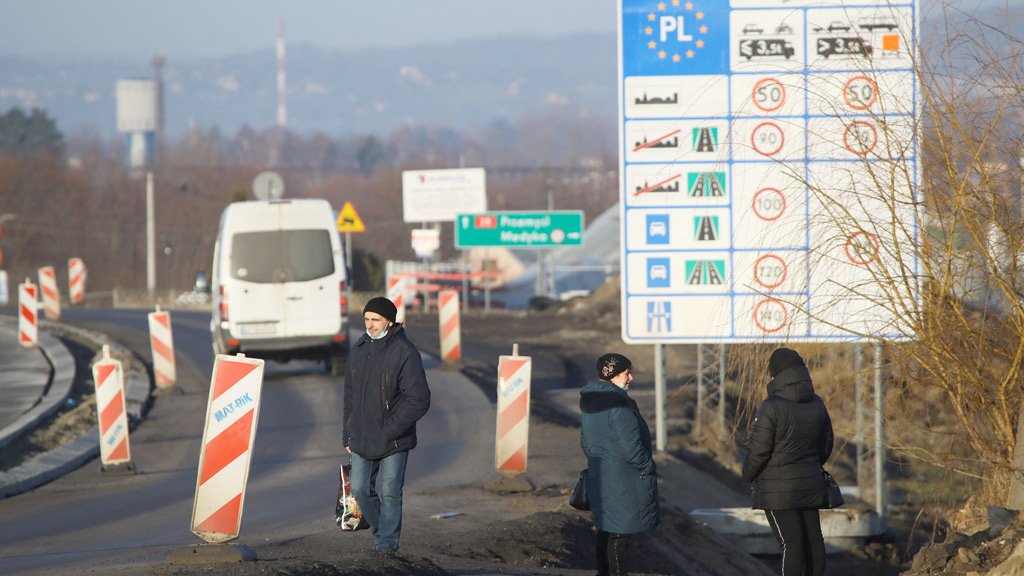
385 394
790 441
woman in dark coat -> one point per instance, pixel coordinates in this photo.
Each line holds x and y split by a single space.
789 443
621 482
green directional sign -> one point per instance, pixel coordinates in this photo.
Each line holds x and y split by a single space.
519 229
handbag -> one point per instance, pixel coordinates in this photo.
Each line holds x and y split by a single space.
578 499
347 515
833 495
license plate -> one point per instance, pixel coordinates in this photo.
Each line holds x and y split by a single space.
258 329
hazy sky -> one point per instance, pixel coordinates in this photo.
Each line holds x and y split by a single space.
185 28
218 27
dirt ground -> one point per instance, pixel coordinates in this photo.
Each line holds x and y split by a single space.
536 532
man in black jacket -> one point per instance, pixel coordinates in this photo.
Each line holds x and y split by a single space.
386 392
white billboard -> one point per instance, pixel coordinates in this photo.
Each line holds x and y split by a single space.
136 105
441 195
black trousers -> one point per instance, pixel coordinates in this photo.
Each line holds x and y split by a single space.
799 536
611 553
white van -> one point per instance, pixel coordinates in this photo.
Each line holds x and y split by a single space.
280 284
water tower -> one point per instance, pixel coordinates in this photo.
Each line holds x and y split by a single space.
137 117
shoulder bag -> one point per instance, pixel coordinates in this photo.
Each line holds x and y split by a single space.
833 495
578 499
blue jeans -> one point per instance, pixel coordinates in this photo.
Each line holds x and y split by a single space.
381 506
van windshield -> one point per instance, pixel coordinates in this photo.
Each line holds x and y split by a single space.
281 256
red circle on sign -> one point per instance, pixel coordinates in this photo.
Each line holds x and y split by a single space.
757 266
859 125
874 92
769 84
768 133
760 196
785 315
857 246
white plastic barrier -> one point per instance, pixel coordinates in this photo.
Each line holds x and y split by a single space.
28 317
232 414
111 411
451 333
51 294
513 427
161 342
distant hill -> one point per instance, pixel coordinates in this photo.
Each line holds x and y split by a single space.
460 85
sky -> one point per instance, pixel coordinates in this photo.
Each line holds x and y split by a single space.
221 27
197 28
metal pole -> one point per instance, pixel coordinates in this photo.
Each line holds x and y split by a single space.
858 391
879 448
426 286
700 390
659 396
721 388
150 241
465 281
348 253
487 279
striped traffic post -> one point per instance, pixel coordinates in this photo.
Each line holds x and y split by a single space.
161 343
231 418
451 334
28 318
51 294
111 411
396 293
513 430
76 281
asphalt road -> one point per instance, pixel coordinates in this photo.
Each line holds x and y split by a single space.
95 521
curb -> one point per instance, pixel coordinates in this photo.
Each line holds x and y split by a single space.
58 388
71 456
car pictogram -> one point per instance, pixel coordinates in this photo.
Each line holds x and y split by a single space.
871 24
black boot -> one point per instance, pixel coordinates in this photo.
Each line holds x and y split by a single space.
617 544
601 552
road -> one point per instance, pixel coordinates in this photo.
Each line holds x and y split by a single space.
90 520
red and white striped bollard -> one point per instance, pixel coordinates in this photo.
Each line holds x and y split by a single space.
28 317
51 294
396 293
232 414
451 333
513 426
111 411
76 281
161 343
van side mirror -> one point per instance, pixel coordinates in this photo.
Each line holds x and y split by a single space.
202 283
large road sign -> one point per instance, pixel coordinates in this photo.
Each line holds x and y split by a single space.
519 229
766 148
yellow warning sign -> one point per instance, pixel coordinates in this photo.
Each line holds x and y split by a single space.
349 220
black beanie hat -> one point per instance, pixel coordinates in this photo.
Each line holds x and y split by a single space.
382 306
783 358
611 365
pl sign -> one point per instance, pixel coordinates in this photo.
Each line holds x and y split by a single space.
767 147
